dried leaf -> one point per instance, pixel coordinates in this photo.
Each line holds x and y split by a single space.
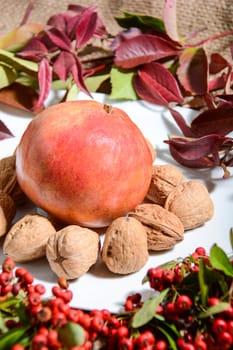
4 131
193 70
142 49
20 35
19 96
213 121
169 17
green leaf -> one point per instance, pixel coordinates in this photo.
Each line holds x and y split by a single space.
7 75
12 337
18 63
122 84
204 288
71 334
143 22
215 309
220 260
72 93
27 80
170 337
94 82
148 309
231 237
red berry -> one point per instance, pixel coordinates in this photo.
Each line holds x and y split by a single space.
122 332
17 347
5 278
213 301
219 325
230 327
8 264
200 344
200 251
160 345
168 275
183 303
97 323
40 288
125 344
28 278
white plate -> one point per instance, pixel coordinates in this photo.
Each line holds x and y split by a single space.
99 288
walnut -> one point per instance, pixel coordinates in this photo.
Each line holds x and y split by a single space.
164 179
72 251
192 203
7 212
8 180
164 229
27 238
124 248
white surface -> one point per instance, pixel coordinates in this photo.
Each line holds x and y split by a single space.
100 288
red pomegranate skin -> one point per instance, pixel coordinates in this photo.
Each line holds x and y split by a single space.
84 162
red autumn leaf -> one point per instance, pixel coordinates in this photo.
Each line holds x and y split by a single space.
142 49
86 26
162 81
181 123
78 14
34 50
63 64
5 133
145 89
193 70
59 21
170 20
77 74
59 39
211 121
202 152
217 63
45 80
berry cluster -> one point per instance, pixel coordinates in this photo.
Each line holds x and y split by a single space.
184 314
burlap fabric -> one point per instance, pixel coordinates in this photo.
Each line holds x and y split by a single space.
209 17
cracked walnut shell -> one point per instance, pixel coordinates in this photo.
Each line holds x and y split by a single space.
7 212
27 238
165 178
125 246
192 203
8 180
72 250
164 229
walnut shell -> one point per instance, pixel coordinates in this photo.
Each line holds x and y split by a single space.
72 251
7 212
27 238
192 203
8 180
165 178
164 229
124 248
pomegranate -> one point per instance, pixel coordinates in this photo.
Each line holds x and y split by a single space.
84 162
